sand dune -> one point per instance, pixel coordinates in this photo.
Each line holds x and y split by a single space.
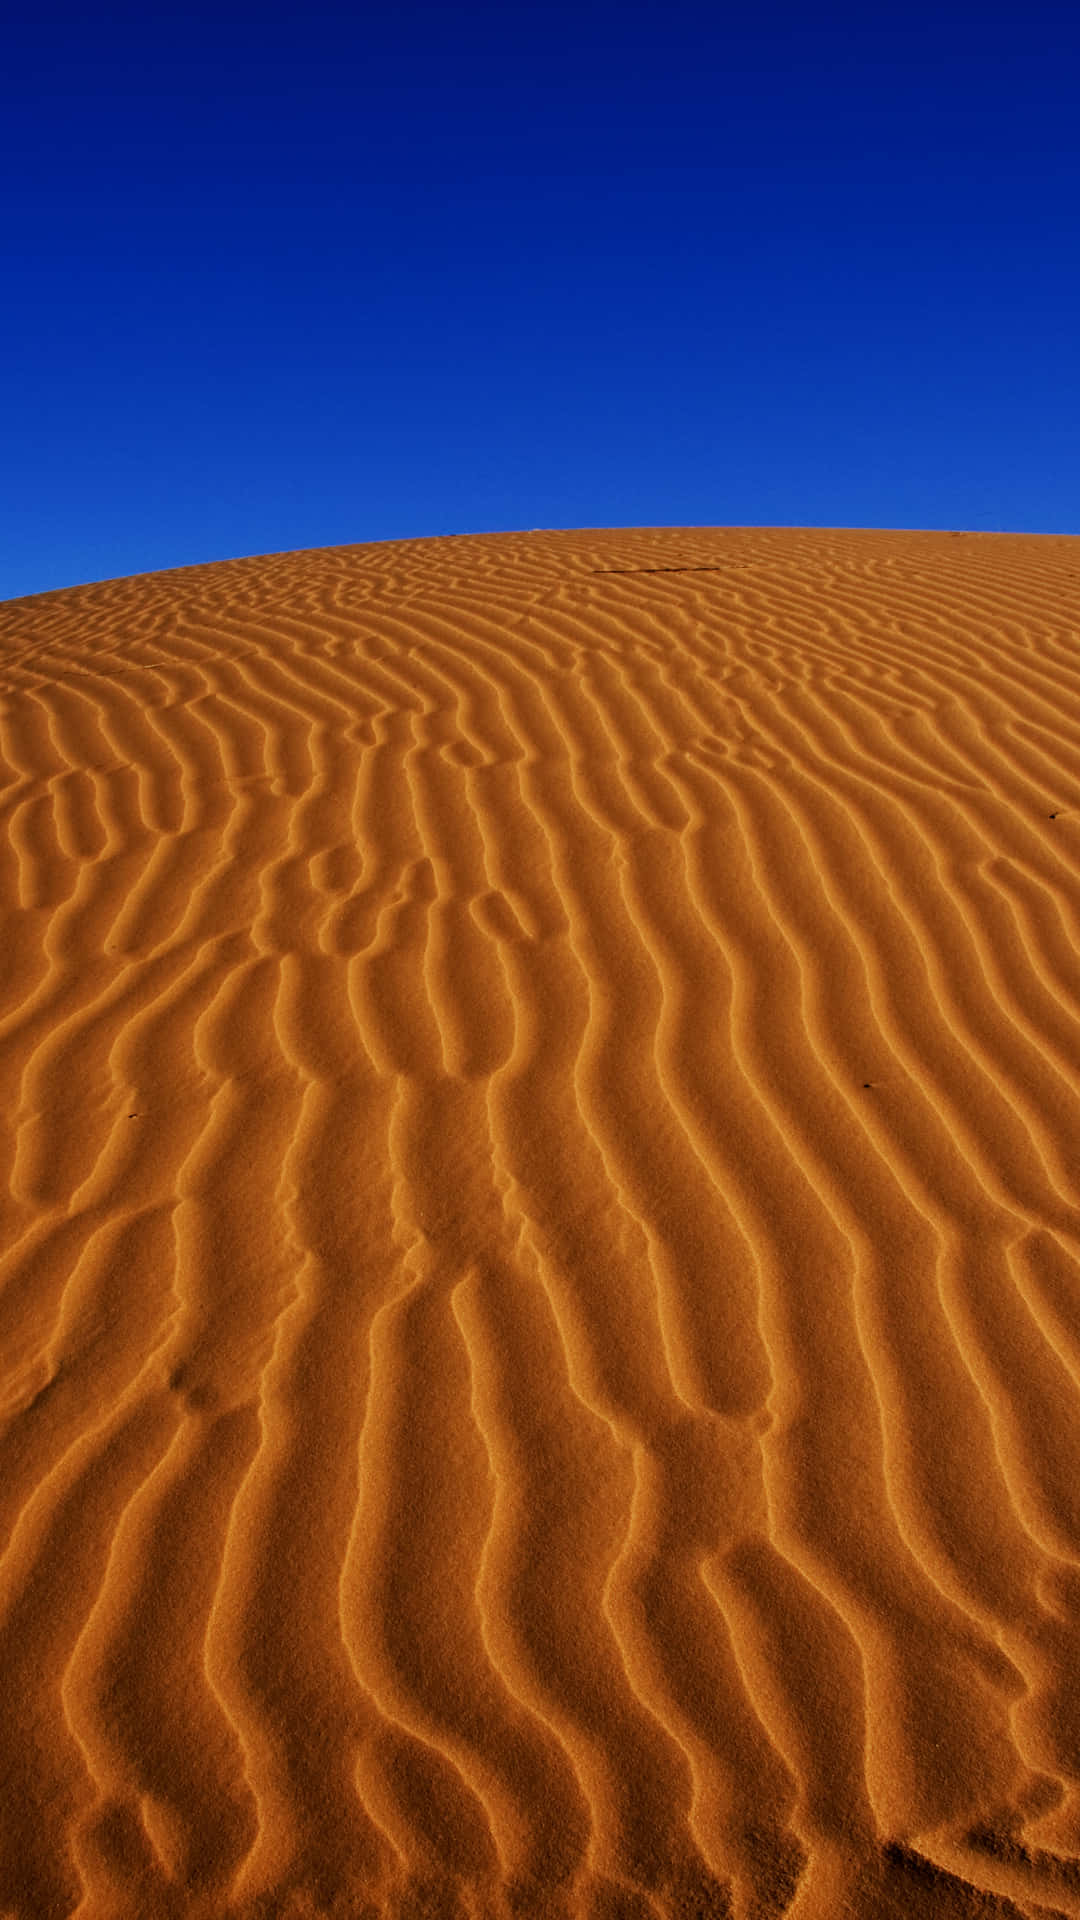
540 1276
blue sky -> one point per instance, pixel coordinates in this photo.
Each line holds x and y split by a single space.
289 279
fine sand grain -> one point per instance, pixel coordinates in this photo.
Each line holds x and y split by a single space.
540 1259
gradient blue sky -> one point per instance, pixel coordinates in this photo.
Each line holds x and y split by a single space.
289 279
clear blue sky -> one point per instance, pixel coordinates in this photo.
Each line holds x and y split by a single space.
295 278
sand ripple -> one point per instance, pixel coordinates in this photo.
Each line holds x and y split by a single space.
540 1276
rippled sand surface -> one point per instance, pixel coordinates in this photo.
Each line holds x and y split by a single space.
539 1280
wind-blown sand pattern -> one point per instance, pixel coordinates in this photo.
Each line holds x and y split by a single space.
540 1284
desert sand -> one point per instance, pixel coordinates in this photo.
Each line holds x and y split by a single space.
540 1297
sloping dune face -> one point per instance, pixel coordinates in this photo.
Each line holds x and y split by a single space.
539 1291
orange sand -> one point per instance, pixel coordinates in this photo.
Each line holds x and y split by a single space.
540 1300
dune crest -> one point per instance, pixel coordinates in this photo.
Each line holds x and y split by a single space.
540 1258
